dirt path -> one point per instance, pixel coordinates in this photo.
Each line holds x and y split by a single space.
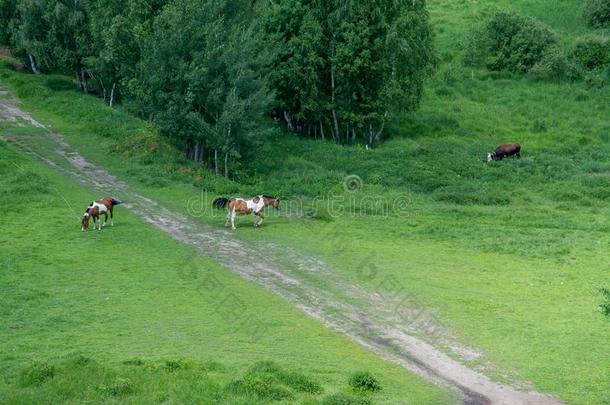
414 340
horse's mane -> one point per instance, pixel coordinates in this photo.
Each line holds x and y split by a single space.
269 196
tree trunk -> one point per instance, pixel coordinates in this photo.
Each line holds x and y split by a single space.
332 87
33 64
288 121
196 152
378 134
84 81
321 130
227 165
78 83
111 94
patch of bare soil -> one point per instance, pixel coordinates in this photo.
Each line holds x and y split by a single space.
405 335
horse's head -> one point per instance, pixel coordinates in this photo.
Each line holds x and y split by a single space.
85 221
491 156
273 201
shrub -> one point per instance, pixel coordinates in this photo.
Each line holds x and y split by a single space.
555 65
37 373
59 83
292 379
597 12
263 387
596 79
341 398
364 381
509 41
591 53
300 382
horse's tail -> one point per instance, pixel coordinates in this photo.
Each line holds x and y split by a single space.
220 202
115 202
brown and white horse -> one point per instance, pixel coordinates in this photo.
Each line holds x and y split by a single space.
102 206
255 206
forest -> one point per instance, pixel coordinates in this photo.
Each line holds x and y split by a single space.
205 71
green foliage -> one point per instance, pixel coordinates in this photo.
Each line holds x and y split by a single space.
604 307
597 12
7 12
268 381
200 78
591 53
509 41
59 83
364 381
555 65
341 68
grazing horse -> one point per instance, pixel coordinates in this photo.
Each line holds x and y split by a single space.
502 151
96 208
255 206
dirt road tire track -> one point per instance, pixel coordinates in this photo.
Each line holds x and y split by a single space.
372 326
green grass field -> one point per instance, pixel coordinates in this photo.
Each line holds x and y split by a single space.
509 255
128 314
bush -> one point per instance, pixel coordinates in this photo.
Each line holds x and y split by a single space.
591 53
597 12
596 79
364 381
59 83
266 380
509 41
555 65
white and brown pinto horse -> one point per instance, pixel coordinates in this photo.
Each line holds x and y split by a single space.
103 206
255 206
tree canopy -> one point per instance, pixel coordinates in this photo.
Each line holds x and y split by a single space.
204 71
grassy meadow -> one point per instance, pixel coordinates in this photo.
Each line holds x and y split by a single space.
130 315
510 255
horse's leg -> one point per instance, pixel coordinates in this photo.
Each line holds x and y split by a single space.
94 222
111 218
105 218
233 219
262 218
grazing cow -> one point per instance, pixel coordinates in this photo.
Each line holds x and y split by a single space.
97 208
255 206
502 151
